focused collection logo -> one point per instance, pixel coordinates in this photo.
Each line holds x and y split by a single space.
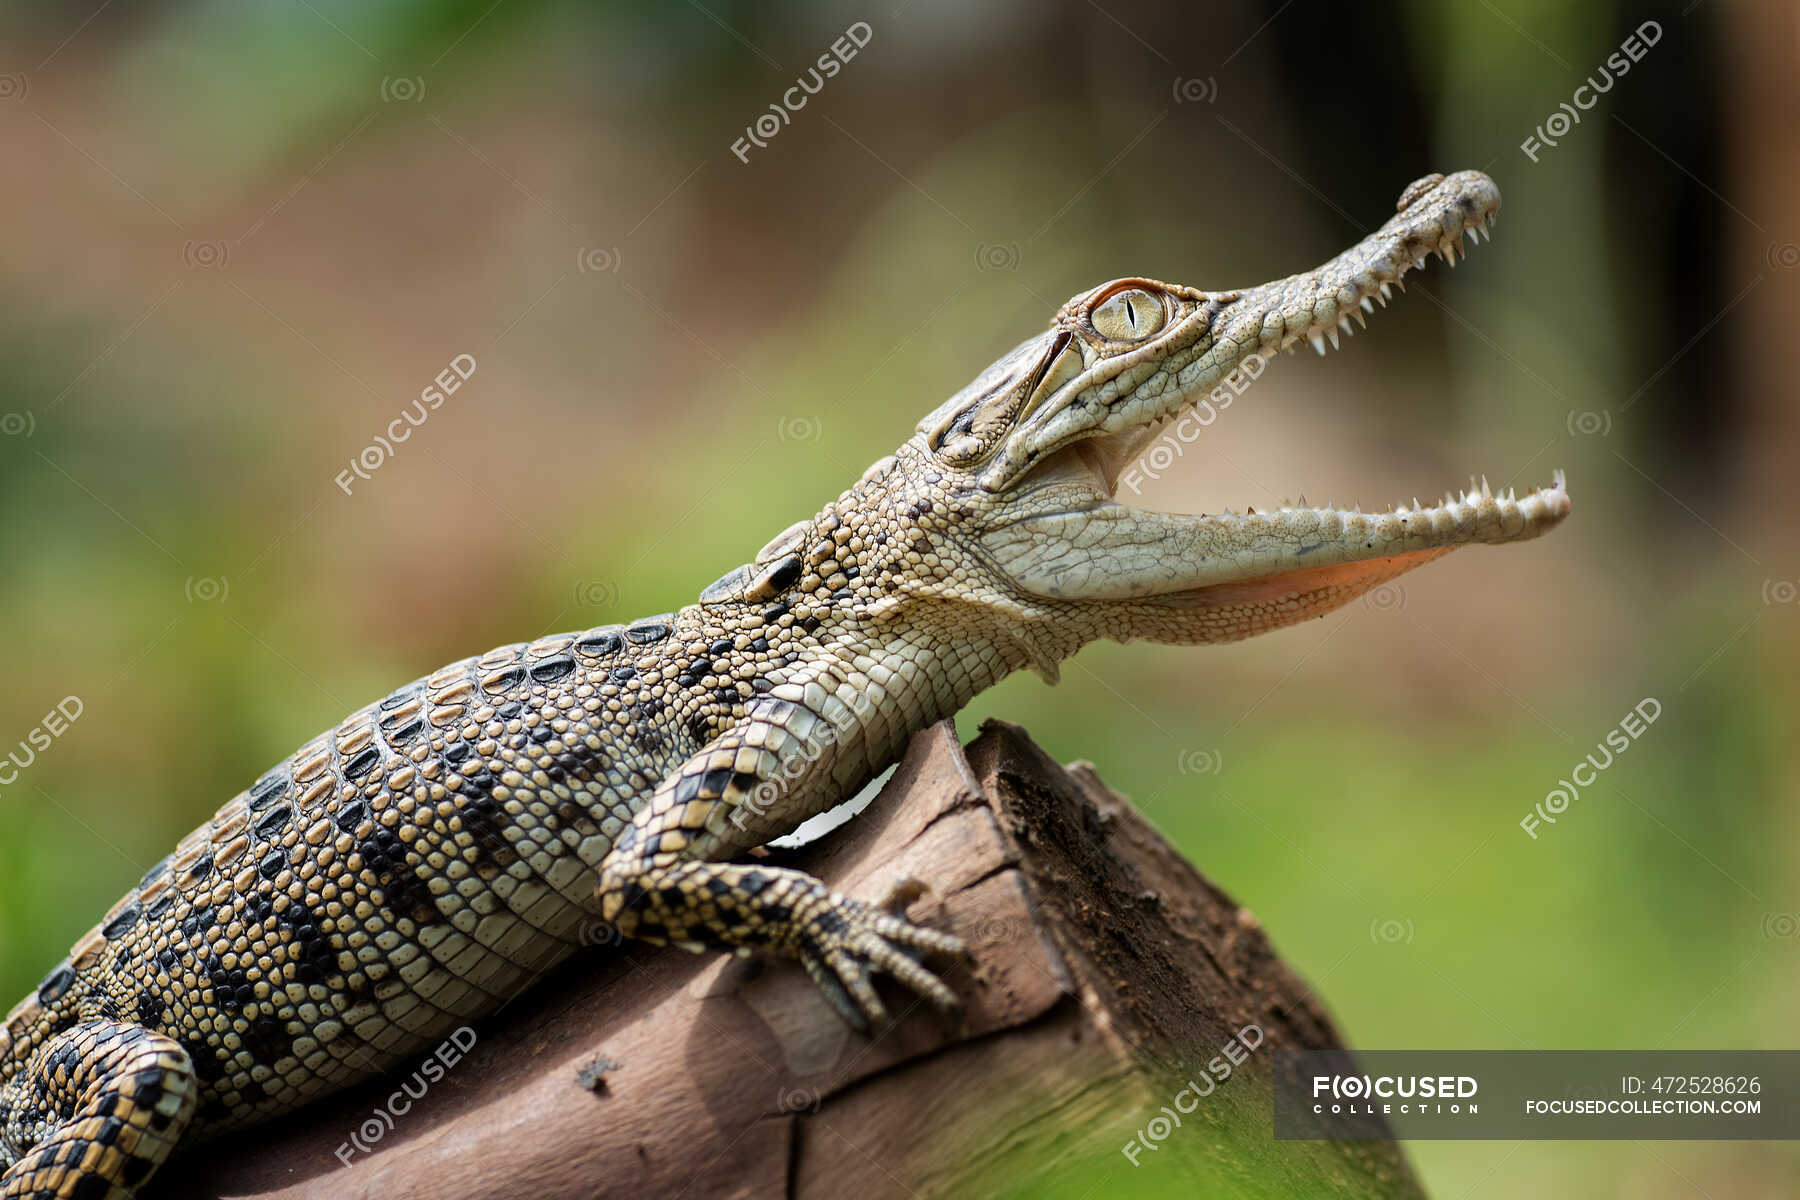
1387 1095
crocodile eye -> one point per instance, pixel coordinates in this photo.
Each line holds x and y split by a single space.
1128 316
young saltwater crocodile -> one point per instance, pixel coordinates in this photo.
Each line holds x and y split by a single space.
424 861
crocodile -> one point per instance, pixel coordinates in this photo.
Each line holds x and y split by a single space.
412 869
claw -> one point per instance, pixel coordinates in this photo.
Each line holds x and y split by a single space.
866 939
834 992
855 978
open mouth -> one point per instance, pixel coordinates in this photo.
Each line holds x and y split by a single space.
1275 565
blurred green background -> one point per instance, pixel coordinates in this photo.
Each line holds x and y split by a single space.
240 238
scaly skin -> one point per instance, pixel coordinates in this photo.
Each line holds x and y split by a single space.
437 852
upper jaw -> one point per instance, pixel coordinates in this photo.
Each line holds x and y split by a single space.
1124 404
1434 216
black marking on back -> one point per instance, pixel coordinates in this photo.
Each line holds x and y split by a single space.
351 816
270 788
401 695
646 632
154 873
208 1067
151 1008
597 643
403 892
503 681
270 825
56 984
366 760
203 867
123 923
549 670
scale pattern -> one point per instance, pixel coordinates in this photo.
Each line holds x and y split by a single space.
422 863
438 851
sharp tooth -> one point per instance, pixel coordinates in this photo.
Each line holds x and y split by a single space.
1401 284
1386 291
1360 321
1332 334
1474 232
1486 492
1302 499
1366 306
1318 343
1447 248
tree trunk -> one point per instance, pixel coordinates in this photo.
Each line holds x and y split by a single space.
1107 975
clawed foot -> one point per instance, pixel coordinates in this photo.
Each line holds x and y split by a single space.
843 941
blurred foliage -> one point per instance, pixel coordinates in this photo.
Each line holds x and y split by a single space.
178 555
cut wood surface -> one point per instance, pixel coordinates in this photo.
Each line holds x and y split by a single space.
1106 973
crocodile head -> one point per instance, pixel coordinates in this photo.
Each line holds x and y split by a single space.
1032 451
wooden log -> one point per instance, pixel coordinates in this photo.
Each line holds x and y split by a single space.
1106 975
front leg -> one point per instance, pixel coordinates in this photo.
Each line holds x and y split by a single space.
662 882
